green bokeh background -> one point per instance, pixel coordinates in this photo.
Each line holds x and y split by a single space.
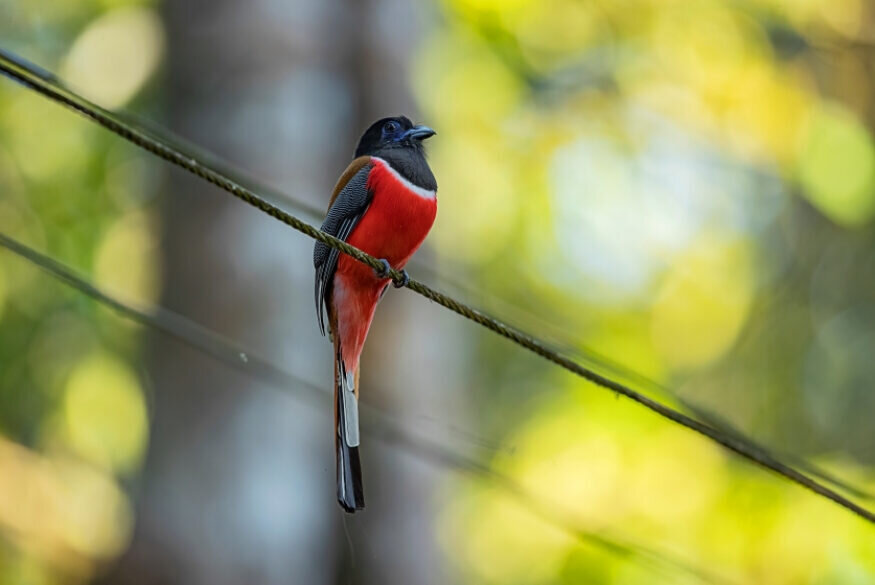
685 188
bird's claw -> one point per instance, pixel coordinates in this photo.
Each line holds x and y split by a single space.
385 271
405 278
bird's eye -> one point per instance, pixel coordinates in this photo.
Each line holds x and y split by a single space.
391 127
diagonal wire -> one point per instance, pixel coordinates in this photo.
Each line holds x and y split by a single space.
42 83
377 424
559 337
591 357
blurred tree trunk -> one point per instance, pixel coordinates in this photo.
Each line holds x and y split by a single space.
239 483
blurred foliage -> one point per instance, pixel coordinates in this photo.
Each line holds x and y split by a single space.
73 417
689 188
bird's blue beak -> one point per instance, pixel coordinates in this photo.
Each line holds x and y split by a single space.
418 133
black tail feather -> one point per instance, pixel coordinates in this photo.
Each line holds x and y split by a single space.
350 493
350 489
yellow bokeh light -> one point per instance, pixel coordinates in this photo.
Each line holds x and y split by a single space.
765 111
480 88
475 219
105 413
127 259
59 510
45 141
580 456
658 482
836 166
562 457
539 30
499 539
703 302
707 46
96 516
464 85
489 7
115 55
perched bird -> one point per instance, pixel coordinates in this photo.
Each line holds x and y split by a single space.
384 203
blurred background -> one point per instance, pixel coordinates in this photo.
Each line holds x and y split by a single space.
682 194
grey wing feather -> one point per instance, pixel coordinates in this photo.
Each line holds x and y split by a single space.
344 214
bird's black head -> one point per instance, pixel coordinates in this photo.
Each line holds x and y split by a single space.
391 134
399 142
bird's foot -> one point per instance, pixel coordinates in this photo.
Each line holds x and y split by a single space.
385 271
401 282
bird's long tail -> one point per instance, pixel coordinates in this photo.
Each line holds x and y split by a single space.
350 492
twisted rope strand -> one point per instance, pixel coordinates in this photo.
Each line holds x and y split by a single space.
43 84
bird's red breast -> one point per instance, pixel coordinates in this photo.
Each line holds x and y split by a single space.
393 227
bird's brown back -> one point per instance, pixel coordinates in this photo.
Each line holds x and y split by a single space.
351 170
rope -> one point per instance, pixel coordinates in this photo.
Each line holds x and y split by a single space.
43 83
379 425
559 338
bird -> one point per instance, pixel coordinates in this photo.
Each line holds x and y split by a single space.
385 204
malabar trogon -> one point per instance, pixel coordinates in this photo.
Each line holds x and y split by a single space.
384 204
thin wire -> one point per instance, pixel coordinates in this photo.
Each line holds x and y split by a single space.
39 82
375 422
558 337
